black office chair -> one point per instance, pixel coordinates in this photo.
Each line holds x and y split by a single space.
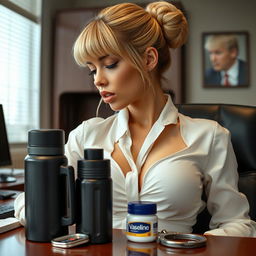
241 122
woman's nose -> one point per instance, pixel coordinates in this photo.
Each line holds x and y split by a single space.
99 79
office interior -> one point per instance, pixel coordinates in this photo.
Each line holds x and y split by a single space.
203 16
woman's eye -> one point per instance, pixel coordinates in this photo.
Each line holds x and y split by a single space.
92 72
112 65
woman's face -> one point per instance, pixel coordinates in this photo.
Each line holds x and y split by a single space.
118 82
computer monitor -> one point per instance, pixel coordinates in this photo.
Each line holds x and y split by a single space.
5 156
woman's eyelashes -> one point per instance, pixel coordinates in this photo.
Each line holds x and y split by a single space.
92 72
111 66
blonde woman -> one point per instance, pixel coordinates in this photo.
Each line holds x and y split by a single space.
157 154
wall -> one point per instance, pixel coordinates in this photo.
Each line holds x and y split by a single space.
207 16
49 9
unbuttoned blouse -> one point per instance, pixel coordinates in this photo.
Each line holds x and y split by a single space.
176 182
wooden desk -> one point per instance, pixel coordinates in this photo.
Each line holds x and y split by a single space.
14 243
18 185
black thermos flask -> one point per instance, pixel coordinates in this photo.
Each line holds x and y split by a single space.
94 197
49 186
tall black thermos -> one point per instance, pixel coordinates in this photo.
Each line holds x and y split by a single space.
49 186
94 197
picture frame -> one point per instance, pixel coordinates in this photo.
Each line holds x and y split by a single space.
225 59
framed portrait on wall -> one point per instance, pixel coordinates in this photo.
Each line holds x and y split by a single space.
225 59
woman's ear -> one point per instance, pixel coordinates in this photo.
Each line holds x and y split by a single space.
151 58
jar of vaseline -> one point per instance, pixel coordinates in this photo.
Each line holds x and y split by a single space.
141 221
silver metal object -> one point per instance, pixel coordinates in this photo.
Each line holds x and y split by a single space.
171 239
69 241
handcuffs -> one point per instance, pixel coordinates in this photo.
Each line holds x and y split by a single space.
169 239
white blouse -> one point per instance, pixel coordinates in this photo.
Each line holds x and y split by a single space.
175 183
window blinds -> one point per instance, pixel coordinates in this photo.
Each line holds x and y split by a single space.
19 73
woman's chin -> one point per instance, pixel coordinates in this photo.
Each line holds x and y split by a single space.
117 107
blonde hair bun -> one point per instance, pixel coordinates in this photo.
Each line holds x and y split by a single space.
171 20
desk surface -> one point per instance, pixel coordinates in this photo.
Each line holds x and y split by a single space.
18 184
14 243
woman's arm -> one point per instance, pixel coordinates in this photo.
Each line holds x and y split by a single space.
229 208
74 149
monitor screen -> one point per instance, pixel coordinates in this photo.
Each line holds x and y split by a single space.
5 157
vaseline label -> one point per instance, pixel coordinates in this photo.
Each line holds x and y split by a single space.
142 229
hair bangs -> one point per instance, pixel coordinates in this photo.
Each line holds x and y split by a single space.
95 41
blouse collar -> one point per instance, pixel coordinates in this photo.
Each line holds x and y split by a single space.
169 115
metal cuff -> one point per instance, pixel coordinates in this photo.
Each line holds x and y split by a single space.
169 239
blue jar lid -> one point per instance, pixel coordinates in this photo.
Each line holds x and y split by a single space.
142 207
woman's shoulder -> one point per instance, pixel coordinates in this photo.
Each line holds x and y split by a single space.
202 125
93 125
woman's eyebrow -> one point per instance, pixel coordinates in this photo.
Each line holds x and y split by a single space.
100 59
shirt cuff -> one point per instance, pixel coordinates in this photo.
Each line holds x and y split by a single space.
19 208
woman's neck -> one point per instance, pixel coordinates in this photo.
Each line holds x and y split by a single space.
146 111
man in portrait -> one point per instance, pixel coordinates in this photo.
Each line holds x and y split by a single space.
227 69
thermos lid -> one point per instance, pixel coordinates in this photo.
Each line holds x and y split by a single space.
93 166
49 142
